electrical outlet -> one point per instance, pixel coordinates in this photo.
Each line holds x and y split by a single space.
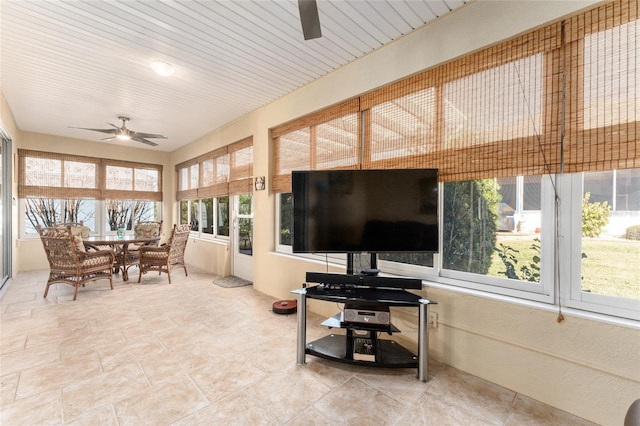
433 319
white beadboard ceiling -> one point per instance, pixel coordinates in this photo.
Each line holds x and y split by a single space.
83 63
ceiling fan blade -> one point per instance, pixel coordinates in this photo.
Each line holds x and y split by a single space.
309 19
108 131
147 135
143 140
108 139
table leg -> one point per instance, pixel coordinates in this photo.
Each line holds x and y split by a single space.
125 272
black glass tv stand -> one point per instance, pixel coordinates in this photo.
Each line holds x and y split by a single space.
362 342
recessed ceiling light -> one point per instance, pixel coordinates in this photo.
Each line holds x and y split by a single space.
162 68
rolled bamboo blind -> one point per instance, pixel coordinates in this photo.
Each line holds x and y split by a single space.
241 167
214 177
52 175
224 171
292 151
204 176
326 139
603 100
131 181
560 98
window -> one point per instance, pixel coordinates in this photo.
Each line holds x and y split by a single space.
480 251
100 193
183 216
205 183
284 219
47 211
207 218
627 190
245 224
599 186
531 193
605 245
194 215
222 219
129 212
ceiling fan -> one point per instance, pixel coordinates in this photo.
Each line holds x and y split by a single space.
309 19
125 134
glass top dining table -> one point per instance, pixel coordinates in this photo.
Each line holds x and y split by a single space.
123 249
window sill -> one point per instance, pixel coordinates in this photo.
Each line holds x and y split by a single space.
566 311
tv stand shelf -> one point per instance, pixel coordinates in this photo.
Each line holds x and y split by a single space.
388 354
337 321
340 347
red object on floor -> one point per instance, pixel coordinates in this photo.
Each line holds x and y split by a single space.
285 307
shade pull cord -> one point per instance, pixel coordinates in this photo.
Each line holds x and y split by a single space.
560 317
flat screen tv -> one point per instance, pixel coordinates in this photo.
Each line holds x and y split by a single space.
358 211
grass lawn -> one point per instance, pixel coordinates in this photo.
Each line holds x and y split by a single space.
611 266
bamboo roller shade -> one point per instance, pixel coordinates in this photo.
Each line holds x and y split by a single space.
223 171
44 174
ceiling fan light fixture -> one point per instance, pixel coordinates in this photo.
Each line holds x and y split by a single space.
165 69
124 134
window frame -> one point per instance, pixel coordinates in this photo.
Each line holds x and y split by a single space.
198 233
100 219
571 251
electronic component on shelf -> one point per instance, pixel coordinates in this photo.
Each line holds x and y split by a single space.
335 280
366 314
364 349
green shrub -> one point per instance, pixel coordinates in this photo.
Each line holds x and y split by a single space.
633 233
595 216
470 223
509 257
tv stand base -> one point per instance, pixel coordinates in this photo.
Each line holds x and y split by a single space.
388 354
385 353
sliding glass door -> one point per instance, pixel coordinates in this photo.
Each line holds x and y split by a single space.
5 208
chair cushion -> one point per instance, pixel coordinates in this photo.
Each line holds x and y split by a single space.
78 243
147 231
81 231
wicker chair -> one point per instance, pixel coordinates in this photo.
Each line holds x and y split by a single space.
168 257
77 228
125 259
69 263
147 229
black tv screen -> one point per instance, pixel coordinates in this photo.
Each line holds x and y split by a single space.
375 211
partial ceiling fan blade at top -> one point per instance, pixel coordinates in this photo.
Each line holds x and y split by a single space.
137 138
108 131
147 135
309 19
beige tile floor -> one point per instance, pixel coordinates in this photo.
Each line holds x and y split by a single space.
193 353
